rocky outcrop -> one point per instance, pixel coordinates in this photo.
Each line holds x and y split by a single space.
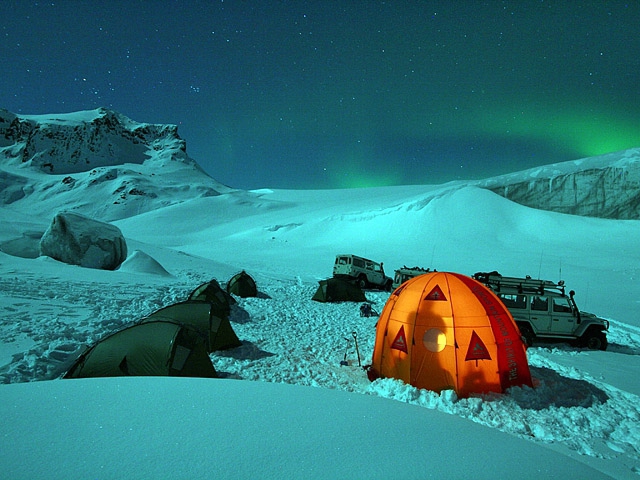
72 143
605 190
78 240
97 162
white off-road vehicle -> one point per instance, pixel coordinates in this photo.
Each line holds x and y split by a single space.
544 312
407 273
366 273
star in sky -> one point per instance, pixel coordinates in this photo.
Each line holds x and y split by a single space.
326 94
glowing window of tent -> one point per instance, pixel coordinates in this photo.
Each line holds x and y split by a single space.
434 340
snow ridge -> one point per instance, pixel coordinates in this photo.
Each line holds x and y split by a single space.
607 186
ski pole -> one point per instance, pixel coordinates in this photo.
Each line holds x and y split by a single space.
355 339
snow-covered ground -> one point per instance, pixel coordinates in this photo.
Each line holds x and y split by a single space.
285 407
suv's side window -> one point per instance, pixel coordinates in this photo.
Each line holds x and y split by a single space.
514 301
540 303
561 304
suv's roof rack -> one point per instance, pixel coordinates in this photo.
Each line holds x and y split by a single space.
355 256
523 285
415 269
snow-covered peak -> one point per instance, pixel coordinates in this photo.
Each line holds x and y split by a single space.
72 118
96 162
81 141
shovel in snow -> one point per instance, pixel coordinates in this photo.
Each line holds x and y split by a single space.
344 362
355 339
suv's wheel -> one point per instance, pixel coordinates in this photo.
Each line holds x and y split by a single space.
594 340
527 334
362 281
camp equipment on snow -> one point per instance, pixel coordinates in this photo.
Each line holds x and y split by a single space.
338 290
208 318
344 362
355 340
366 310
212 292
448 331
242 285
155 348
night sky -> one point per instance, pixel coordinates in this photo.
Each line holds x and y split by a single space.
333 94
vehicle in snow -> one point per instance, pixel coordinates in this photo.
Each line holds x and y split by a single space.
543 311
405 273
367 273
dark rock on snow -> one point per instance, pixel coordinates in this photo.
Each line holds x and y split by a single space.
78 240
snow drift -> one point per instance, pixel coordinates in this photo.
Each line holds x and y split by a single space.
249 430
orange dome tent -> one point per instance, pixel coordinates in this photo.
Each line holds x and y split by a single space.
447 331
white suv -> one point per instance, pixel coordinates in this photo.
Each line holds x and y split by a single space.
543 311
367 273
405 273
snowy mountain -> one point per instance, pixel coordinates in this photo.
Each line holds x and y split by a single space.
77 142
606 186
285 406
56 161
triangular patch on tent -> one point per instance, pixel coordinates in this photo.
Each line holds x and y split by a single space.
436 294
400 342
398 290
477 349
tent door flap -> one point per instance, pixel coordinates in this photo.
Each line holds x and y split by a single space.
180 357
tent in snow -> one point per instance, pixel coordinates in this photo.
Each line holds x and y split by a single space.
156 348
447 331
213 293
204 317
337 289
243 285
